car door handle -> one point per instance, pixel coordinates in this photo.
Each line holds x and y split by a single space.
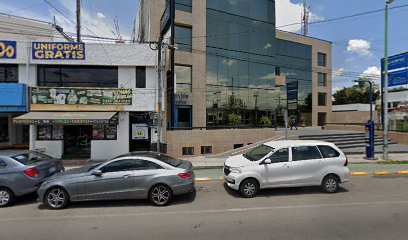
126 176
319 162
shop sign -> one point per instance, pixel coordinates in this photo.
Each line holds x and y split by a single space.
140 131
8 49
182 98
81 96
58 51
66 121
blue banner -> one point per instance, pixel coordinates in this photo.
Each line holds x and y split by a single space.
397 70
58 51
8 49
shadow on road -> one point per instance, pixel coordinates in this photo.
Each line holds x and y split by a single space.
273 192
177 200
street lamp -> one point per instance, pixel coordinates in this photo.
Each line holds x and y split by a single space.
385 98
370 148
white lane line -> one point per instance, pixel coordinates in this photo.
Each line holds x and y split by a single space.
228 210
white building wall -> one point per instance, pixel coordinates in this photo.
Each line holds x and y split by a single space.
107 149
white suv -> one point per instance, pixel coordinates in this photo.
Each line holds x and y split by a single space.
291 163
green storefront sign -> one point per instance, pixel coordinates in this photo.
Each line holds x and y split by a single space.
81 96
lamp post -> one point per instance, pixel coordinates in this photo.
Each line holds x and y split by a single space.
370 148
385 98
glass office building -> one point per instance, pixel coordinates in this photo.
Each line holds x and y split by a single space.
243 58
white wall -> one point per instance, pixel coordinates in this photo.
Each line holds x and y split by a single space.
107 149
54 148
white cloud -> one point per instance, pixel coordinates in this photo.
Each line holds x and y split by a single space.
372 73
229 62
100 15
359 46
339 72
290 13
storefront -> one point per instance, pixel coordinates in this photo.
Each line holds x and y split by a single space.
76 123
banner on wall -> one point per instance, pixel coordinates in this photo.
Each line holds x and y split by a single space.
58 51
140 131
8 49
81 96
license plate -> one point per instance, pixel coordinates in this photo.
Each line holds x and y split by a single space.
52 169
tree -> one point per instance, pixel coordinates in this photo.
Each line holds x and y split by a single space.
359 93
232 107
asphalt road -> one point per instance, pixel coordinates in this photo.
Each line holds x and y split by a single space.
365 208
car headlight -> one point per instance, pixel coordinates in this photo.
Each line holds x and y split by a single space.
236 169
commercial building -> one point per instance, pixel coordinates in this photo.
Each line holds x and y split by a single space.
229 65
84 100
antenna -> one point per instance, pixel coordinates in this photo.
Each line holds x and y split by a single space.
305 18
116 22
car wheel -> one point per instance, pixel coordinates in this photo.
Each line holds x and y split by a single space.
330 184
6 197
56 198
160 195
249 188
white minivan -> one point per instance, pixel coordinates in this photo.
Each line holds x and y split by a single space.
290 163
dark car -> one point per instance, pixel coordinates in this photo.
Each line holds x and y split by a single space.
137 175
22 172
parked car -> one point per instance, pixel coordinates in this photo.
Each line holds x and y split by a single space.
136 175
287 164
22 172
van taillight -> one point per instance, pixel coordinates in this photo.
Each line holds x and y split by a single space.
346 162
32 172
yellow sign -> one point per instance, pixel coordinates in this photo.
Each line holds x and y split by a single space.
8 49
58 51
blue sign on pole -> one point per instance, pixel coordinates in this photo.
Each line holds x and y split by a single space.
8 49
397 70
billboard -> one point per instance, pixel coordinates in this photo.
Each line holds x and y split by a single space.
397 70
58 51
8 49
81 96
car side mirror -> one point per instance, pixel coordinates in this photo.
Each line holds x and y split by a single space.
97 173
267 161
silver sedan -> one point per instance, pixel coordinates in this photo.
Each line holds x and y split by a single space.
136 175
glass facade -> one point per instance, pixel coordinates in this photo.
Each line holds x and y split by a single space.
183 5
241 69
9 73
182 38
77 76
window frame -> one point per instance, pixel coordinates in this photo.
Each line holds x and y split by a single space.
318 99
319 63
185 84
293 155
187 152
183 47
140 72
287 149
324 79
327 146
113 162
6 67
204 148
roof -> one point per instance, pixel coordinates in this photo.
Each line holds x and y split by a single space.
294 143
150 154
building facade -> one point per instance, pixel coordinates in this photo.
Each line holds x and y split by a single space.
78 100
228 60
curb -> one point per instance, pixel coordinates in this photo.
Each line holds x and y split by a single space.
377 173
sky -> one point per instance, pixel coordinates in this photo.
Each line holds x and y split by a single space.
358 43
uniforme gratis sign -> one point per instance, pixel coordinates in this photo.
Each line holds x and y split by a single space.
58 51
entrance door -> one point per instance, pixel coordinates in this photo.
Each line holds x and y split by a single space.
184 117
77 141
321 119
139 132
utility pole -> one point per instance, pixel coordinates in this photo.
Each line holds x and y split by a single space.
385 98
159 84
78 15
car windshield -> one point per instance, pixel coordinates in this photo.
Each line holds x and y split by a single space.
27 158
94 166
258 152
169 160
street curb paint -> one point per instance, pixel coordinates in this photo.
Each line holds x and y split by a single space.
381 173
359 173
402 172
208 179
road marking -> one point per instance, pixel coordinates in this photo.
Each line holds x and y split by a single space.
382 173
402 172
208 211
359 173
